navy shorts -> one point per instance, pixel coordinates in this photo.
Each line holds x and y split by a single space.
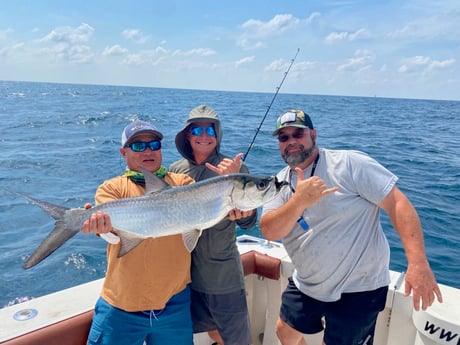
171 325
349 321
228 313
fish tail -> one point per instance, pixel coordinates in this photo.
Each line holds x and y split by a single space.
57 237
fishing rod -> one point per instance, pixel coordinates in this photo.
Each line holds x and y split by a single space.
270 105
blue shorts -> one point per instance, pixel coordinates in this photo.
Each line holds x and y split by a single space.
171 325
228 313
349 321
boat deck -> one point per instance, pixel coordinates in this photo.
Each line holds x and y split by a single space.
64 317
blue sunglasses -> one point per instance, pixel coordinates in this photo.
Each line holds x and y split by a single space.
141 146
198 131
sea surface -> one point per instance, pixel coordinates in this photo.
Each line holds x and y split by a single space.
58 142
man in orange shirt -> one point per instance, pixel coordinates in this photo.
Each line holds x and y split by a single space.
146 294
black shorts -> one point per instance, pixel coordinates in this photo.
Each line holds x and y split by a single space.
349 321
228 313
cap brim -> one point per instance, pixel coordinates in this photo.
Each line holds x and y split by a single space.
200 119
276 131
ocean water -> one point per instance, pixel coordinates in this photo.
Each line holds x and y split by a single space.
58 142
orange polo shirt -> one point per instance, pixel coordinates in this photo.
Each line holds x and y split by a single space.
151 273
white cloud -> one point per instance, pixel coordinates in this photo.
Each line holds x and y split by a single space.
160 50
441 64
277 65
153 56
248 45
115 50
255 31
303 66
69 35
277 25
135 36
80 54
422 64
444 26
4 33
362 59
133 59
336 36
158 61
10 51
67 43
200 52
244 61
342 36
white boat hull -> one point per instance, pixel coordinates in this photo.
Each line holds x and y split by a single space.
64 317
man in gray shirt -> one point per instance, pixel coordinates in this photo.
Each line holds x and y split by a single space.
334 238
217 291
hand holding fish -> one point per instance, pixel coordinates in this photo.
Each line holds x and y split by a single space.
99 223
231 166
236 214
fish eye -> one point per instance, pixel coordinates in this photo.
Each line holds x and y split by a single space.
262 184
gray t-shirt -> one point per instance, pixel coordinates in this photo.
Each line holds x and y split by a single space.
344 248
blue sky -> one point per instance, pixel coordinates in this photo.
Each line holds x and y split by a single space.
403 49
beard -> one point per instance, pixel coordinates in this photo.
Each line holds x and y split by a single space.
294 159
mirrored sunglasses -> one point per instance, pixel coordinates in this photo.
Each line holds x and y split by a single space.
198 130
141 146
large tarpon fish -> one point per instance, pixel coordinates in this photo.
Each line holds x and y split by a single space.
162 211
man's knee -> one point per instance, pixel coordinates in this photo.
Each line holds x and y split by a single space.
288 335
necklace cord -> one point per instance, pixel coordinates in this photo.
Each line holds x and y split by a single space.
301 221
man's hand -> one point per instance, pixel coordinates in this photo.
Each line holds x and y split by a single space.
421 282
99 223
227 165
236 214
310 190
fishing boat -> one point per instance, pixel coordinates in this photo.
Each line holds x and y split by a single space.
64 317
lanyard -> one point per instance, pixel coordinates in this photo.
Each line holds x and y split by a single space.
313 168
301 221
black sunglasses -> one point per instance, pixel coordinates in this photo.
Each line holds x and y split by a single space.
298 134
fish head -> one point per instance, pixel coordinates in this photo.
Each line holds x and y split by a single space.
252 191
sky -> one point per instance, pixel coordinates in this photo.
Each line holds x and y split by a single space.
394 48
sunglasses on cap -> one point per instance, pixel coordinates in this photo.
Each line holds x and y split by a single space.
198 130
141 146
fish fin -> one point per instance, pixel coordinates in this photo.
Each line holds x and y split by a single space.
110 238
59 235
127 242
190 239
153 183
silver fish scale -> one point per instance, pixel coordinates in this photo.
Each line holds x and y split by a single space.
174 211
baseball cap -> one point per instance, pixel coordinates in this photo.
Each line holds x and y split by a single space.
293 118
137 127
